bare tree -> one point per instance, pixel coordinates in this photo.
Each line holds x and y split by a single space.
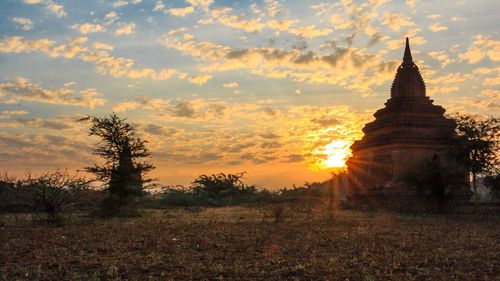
52 191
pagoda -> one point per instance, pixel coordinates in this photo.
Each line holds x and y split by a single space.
410 128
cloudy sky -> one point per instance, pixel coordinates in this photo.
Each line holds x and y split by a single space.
276 88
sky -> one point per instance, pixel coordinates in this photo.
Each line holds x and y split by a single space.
278 89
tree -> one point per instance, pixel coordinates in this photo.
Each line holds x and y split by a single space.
53 191
122 172
492 182
222 187
434 182
479 144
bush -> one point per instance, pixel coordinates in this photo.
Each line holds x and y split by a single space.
215 191
179 196
52 192
222 189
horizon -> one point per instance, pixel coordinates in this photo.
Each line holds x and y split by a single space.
277 89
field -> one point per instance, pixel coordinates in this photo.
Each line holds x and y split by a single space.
240 243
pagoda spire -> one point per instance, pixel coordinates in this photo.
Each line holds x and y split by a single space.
408 81
407 56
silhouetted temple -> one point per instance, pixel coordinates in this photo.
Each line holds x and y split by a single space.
408 129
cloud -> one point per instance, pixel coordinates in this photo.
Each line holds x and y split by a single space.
483 46
159 130
50 5
57 9
415 40
340 22
344 64
200 3
442 57
9 114
282 25
446 83
200 79
196 109
54 124
326 122
396 21
125 29
23 150
86 28
491 81
142 103
105 63
159 6
435 16
111 17
411 3
184 109
231 85
102 46
457 18
437 27
181 12
310 31
223 16
119 3
21 89
16 44
491 93
24 23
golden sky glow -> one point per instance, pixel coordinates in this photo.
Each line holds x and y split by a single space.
276 88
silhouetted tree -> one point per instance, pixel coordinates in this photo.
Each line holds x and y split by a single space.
479 144
122 172
492 182
222 186
53 191
434 181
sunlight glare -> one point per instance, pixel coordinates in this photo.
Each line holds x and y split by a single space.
337 153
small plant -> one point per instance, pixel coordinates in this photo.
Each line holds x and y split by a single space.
278 213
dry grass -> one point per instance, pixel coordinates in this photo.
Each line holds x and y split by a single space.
246 244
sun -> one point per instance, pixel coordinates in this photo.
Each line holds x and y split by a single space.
336 153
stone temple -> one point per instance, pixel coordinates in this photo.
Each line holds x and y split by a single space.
408 129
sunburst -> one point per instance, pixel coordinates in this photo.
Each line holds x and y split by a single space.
336 153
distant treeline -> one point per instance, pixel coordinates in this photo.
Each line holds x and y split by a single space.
57 193
228 189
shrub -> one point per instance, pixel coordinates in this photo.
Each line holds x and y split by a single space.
53 191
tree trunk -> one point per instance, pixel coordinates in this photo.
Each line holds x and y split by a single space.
330 199
474 185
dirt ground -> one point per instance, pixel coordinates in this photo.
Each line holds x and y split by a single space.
247 244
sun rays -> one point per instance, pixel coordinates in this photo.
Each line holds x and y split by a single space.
336 154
